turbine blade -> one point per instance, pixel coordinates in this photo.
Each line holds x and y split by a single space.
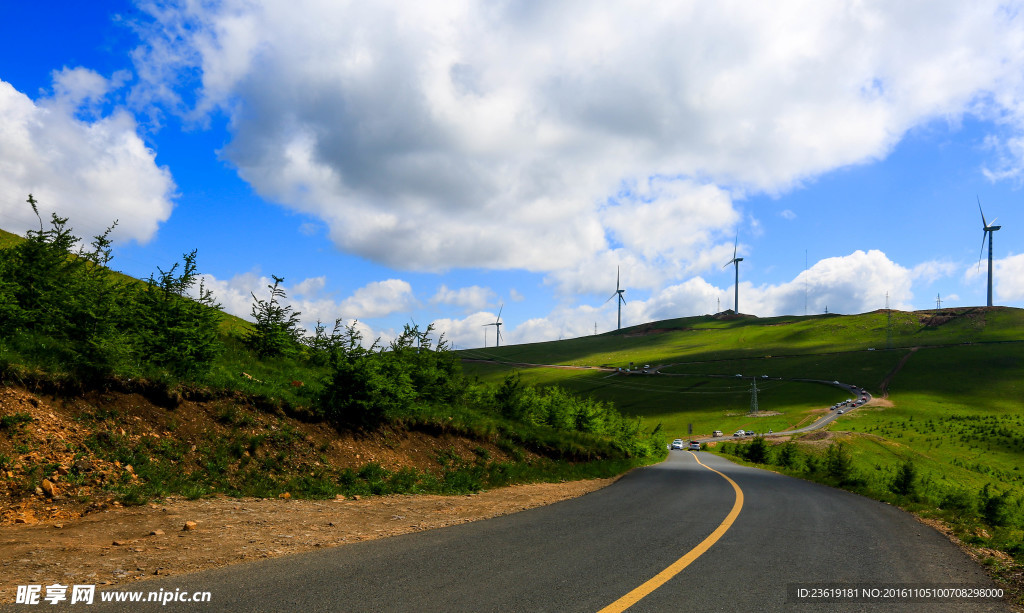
735 245
499 311
622 299
616 279
610 297
984 235
983 222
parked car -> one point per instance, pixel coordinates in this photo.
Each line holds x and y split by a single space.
717 433
739 433
694 446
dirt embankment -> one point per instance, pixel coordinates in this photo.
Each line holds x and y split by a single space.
62 521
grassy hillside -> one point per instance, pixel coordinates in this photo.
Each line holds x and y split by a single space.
851 349
950 401
99 371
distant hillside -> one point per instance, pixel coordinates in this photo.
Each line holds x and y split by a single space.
944 435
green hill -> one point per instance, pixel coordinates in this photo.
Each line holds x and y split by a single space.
851 349
948 387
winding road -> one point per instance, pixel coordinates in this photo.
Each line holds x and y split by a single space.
717 536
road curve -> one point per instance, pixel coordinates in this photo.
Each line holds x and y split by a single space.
584 554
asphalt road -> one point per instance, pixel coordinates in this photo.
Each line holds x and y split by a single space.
584 554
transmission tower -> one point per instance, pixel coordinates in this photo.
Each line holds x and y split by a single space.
753 396
938 301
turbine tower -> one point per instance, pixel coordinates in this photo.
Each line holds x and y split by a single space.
986 233
497 328
621 301
736 262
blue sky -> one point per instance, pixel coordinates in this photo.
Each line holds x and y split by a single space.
397 162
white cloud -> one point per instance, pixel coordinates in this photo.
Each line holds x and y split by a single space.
234 294
378 299
1008 278
469 331
310 287
92 170
855 283
469 298
474 134
933 270
787 214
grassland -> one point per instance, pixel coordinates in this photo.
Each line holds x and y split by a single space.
950 385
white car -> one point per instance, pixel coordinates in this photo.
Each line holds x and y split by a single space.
839 412
716 433
694 446
677 444
740 433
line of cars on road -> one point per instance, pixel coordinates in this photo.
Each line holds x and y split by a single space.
679 444
850 403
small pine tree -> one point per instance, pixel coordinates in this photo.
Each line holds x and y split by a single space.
903 483
275 330
788 455
757 450
838 462
70 297
174 330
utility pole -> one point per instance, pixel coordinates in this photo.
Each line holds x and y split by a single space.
753 396
938 301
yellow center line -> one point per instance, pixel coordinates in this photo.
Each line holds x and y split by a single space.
676 567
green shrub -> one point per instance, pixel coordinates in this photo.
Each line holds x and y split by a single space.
787 455
903 484
838 462
994 507
757 450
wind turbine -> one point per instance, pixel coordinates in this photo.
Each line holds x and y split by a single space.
986 233
736 262
497 328
621 301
